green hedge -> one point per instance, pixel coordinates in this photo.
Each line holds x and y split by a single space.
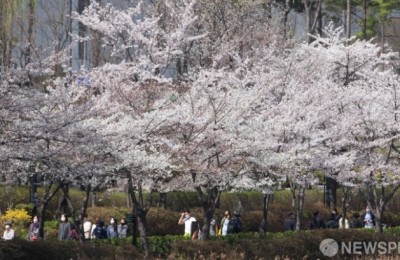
286 245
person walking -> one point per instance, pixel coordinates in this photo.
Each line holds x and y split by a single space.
316 221
369 218
235 224
112 230
123 229
33 231
290 222
87 227
64 228
187 220
225 223
100 232
213 228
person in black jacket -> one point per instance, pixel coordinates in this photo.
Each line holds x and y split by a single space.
316 221
290 222
333 221
355 221
235 224
100 232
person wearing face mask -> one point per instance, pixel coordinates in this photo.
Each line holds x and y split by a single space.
123 229
8 232
64 228
112 231
33 232
187 219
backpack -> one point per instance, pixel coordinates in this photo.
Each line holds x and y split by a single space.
100 232
234 225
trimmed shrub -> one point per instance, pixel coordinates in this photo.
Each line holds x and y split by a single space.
286 245
178 201
106 214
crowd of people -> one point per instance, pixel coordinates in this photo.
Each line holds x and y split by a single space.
192 228
229 225
68 231
367 220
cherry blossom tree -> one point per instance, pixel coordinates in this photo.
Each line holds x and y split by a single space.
46 134
355 123
136 81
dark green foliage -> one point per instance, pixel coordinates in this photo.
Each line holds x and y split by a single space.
293 245
21 249
27 207
179 201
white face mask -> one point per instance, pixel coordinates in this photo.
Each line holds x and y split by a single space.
62 218
112 222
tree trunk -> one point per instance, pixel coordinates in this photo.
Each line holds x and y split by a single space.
139 212
364 24
346 192
209 201
320 25
8 18
312 12
263 225
47 196
82 4
141 226
77 223
378 197
348 19
96 46
131 192
63 202
128 201
93 199
286 11
83 210
33 193
378 218
331 193
162 202
299 207
307 9
31 22
293 192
